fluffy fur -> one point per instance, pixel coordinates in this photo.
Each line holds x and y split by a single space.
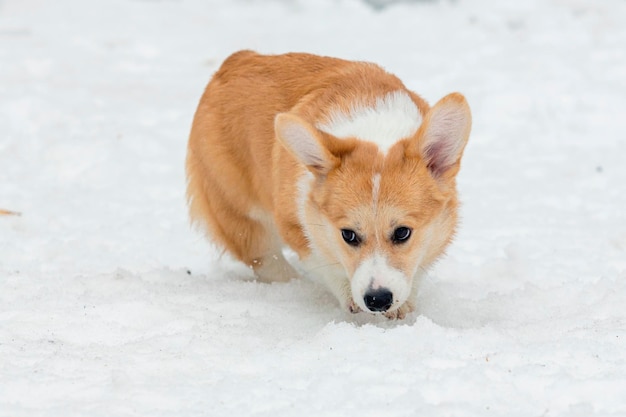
335 159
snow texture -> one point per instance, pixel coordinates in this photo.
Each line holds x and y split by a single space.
110 305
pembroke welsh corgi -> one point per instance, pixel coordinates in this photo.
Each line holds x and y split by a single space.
334 159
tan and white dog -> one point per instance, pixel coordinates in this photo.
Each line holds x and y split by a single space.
335 159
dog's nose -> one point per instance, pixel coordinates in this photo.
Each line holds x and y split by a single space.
378 300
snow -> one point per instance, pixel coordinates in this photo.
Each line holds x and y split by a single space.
110 305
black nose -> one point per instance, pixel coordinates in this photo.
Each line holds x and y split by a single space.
378 300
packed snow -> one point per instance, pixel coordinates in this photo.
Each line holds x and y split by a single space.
111 305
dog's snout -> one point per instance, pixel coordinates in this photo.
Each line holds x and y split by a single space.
378 300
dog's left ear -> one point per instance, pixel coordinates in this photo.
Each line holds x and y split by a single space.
444 134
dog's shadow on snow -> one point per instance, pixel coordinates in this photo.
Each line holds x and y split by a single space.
442 302
300 296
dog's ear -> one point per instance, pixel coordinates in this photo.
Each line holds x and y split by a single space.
444 135
305 142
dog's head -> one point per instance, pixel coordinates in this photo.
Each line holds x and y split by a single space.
382 215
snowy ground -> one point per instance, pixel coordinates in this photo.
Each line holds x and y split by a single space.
111 306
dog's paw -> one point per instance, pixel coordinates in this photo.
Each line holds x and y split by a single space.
273 268
353 308
401 312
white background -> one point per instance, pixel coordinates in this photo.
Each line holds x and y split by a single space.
110 305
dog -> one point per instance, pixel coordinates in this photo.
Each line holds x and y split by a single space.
334 159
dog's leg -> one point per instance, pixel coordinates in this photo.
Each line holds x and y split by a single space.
335 279
340 287
402 311
248 236
264 253
256 244
273 267
411 302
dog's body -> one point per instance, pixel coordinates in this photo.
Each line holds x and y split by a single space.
335 159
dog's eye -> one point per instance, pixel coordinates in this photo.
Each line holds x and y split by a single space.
401 235
350 237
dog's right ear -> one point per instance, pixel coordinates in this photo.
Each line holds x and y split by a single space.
305 143
445 131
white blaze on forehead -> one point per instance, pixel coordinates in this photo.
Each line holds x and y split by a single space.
391 118
375 191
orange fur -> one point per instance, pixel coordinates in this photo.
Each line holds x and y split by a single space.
263 174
